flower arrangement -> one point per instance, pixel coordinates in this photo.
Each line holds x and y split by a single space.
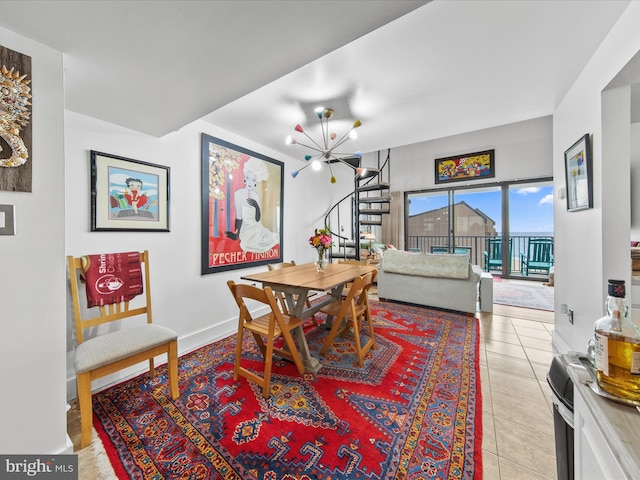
321 241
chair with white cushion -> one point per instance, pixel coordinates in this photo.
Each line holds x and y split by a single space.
122 347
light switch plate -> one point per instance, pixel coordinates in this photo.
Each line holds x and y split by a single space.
7 220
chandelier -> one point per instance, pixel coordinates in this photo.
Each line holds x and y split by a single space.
325 150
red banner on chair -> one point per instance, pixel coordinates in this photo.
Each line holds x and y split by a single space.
112 277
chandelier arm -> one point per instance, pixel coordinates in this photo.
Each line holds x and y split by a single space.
320 149
310 146
344 154
325 133
343 139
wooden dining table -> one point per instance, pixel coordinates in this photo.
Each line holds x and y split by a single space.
297 281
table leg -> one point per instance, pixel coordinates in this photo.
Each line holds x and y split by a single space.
310 363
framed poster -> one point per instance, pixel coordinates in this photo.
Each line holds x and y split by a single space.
470 166
578 176
242 207
128 194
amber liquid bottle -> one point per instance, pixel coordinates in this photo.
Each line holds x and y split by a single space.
617 347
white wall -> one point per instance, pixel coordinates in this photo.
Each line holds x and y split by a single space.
522 150
199 307
32 276
586 254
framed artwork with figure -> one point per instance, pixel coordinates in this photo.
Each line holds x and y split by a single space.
128 195
242 207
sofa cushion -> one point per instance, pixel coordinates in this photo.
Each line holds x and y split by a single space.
426 264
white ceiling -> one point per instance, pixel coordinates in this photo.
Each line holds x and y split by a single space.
410 70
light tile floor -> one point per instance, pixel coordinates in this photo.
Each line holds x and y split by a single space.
515 354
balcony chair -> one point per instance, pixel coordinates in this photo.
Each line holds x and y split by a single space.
265 329
280 297
493 254
106 353
350 313
539 256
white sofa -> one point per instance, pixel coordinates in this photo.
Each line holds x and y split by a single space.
435 280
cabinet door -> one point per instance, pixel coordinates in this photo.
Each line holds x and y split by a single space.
593 458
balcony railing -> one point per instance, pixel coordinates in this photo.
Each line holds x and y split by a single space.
475 246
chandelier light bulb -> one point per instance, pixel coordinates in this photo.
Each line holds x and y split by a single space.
353 134
316 165
290 140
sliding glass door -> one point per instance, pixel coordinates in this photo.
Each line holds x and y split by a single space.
478 221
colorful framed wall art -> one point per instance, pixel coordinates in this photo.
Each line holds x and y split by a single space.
242 207
470 166
128 194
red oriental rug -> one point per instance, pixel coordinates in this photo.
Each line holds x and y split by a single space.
413 411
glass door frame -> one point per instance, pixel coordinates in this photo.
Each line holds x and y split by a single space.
504 186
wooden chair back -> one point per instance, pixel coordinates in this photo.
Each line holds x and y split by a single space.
540 250
107 353
278 266
350 313
264 329
85 319
493 254
280 297
539 256
354 262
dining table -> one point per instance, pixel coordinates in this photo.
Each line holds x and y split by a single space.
297 281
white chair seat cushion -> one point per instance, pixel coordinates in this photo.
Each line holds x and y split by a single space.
111 347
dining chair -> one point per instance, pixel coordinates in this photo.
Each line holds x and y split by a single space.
265 330
350 312
122 346
280 296
347 287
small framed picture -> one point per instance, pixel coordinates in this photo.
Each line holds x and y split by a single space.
128 194
577 167
470 166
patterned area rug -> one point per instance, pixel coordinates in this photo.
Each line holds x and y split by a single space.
523 294
413 411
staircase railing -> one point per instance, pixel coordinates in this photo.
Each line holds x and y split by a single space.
369 189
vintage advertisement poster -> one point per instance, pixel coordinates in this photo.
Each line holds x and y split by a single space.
242 214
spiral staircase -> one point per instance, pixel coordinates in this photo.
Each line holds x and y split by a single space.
362 209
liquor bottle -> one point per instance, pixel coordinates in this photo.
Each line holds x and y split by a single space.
617 347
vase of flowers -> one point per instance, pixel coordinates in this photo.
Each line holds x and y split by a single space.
321 241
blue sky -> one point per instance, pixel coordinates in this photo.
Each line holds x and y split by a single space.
531 206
